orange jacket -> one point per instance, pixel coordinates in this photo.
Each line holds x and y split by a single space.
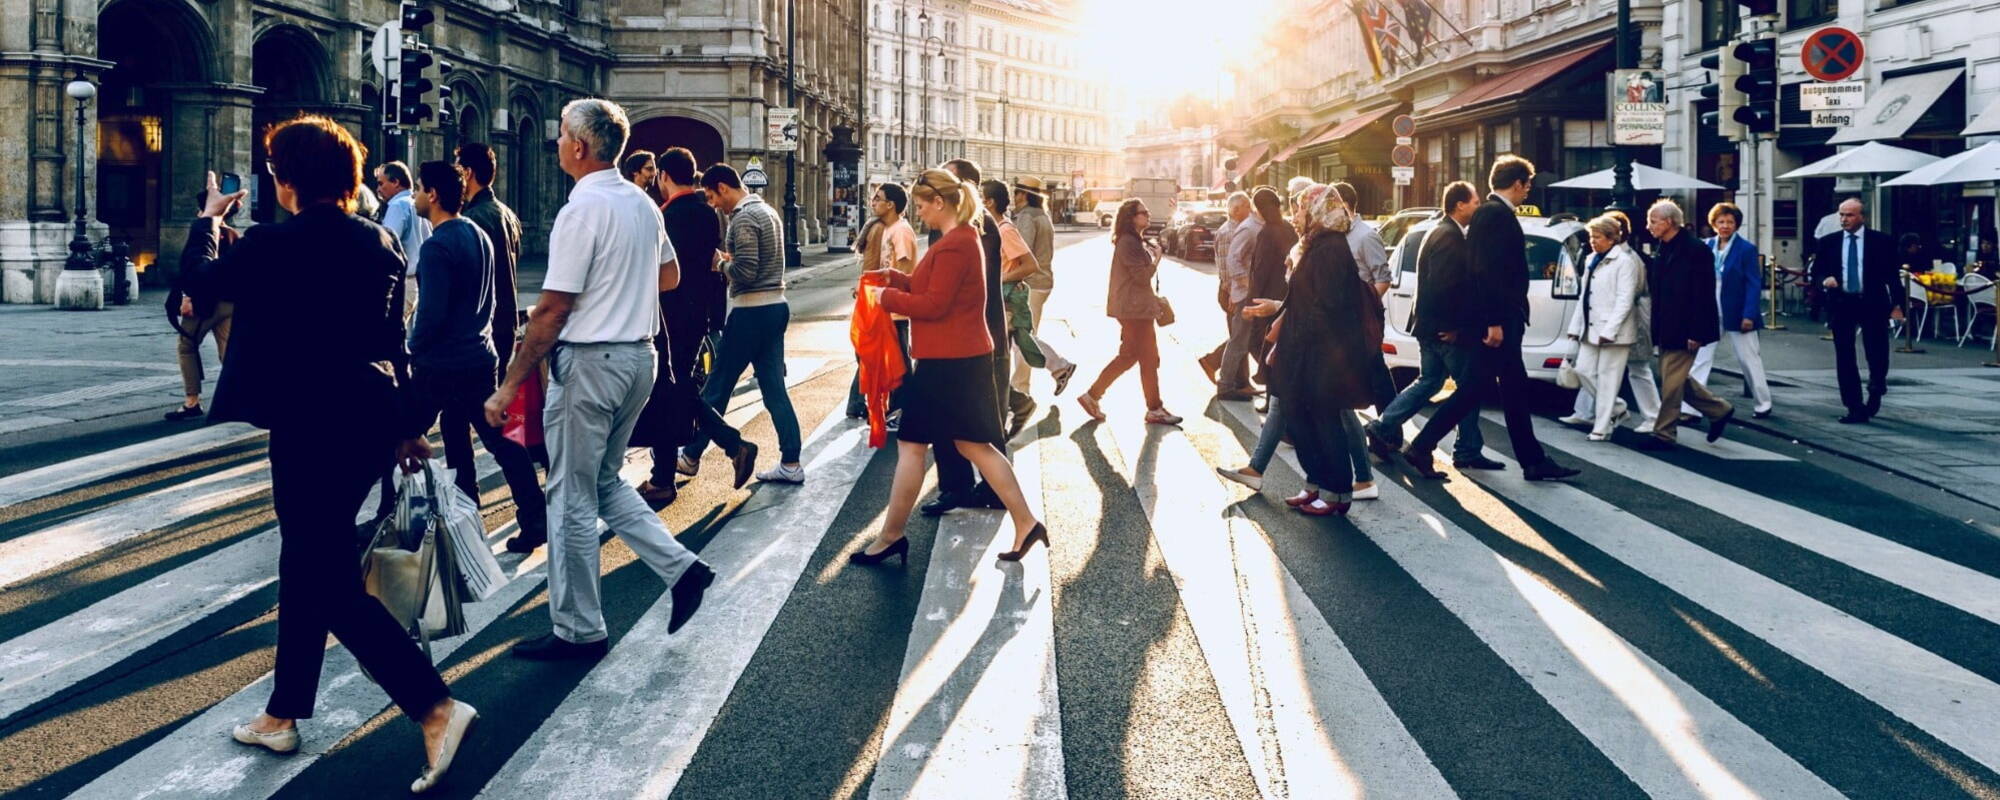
881 356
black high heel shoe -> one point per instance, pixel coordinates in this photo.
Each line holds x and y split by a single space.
901 549
1027 544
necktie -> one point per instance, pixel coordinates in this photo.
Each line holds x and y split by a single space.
1853 280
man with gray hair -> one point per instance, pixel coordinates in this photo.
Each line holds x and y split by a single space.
1232 282
1233 380
609 258
1685 318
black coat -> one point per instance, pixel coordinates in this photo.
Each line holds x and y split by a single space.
1682 282
1267 261
691 310
503 228
1882 282
1330 336
317 339
1450 298
1499 257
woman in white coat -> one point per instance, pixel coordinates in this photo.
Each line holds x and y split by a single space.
1606 322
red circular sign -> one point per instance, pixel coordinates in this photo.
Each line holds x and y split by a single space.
1403 155
1403 125
1831 54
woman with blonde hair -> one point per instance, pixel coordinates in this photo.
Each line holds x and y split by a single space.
1131 301
1606 322
1330 329
949 398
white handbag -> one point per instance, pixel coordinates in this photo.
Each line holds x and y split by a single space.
1566 377
405 567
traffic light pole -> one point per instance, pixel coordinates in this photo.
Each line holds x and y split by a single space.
1621 170
792 255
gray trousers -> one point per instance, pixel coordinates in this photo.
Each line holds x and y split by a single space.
1237 352
596 392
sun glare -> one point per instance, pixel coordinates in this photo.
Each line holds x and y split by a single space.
1151 51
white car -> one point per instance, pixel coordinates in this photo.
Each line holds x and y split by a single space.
1555 262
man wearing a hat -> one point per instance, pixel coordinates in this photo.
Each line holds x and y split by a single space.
1040 233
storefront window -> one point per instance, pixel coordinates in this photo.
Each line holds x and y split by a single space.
1719 20
1468 156
1800 13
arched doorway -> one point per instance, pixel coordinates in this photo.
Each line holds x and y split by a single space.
155 46
468 122
522 179
660 133
291 67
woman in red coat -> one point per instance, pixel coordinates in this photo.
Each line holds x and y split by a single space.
949 397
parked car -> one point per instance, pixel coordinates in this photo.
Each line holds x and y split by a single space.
1556 249
1193 237
1170 233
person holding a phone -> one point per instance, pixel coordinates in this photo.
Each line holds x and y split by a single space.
199 316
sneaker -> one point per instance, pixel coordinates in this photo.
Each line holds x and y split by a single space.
893 422
1255 482
1372 492
1062 377
783 474
1573 420
1161 416
1644 427
686 466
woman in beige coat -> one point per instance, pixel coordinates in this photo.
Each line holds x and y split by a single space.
1131 301
1606 322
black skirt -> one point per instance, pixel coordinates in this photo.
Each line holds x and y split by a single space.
950 399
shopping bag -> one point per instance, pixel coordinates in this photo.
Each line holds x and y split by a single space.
477 572
524 414
405 568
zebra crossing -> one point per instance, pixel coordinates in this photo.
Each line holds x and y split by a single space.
1724 622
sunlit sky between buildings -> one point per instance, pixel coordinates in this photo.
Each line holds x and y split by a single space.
1155 50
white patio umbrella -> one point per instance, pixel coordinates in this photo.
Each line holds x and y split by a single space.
1977 165
1873 158
1644 178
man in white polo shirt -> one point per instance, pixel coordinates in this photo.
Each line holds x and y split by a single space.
609 259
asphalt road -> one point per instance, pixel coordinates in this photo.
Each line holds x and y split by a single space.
1749 619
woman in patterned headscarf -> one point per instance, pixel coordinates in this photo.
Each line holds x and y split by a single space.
1329 328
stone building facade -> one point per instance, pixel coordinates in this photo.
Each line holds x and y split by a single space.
185 85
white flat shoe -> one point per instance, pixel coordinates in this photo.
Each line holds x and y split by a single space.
1597 437
1370 493
462 715
283 741
1573 420
1255 482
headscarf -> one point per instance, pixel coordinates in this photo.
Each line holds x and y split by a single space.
1326 209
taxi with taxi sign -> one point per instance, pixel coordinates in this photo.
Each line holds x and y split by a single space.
1556 249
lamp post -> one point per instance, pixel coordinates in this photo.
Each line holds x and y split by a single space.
1003 137
792 255
936 59
80 286
1621 170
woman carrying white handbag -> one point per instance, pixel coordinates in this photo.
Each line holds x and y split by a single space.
1606 325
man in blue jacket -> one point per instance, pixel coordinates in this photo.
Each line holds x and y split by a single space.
1739 279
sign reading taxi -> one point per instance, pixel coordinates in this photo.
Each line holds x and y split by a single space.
1842 96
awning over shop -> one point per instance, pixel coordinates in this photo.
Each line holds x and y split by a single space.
1349 127
1514 83
1251 158
1293 148
1895 105
1988 121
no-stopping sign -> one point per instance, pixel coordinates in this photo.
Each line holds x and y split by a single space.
1832 54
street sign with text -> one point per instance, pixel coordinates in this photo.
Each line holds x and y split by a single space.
753 174
1832 54
1848 95
783 133
1838 118
1403 176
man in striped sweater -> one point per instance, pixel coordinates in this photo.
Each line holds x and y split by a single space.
753 335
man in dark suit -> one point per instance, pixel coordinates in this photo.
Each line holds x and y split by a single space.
1856 266
691 311
955 474
1445 338
1495 296
1686 318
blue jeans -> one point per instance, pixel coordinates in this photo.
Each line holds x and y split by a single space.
1267 439
754 337
1438 361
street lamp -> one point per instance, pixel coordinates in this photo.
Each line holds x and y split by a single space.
793 257
79 286
1003 136
929 156
1622 190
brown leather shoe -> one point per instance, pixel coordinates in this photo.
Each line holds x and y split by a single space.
662 494
1210 365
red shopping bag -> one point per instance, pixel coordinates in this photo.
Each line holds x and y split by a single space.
524 415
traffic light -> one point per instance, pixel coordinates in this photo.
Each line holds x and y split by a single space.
1728 99
1759 84
413 86
445 107
415 17
1759 8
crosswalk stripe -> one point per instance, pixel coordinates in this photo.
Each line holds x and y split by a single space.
1311 722
1969 590
1945 700
50 659
656 694
1667 737
54 478
27 555
975 713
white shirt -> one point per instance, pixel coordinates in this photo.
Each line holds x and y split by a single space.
401 218
607 246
